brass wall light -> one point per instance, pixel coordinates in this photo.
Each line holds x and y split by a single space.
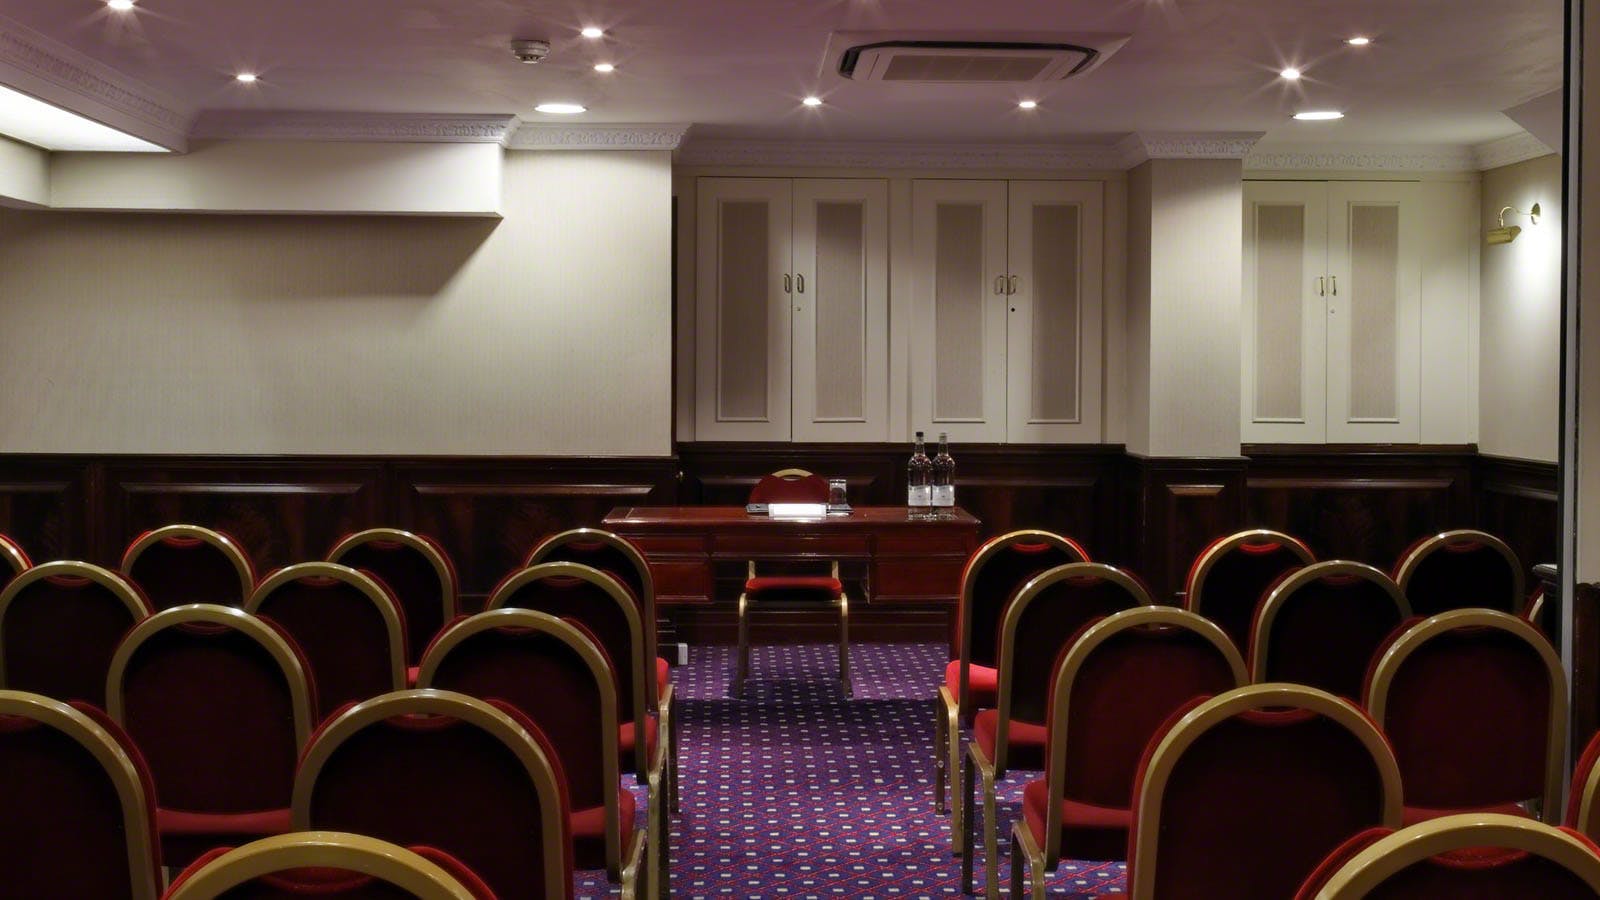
1505 234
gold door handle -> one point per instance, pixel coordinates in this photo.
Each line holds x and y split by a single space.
788 283
1334 280
1011 284
999 284
1322 288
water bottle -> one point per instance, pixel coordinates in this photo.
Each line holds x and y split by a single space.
919 480
944 473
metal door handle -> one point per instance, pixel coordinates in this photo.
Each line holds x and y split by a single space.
788 283
1322 288
1011 284
800 283
999 284
1334 279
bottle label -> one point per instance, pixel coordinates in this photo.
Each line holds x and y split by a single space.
944 495
919 495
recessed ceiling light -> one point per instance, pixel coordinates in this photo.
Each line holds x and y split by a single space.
593 31
1028 104
560 109
1319 115
1290 74
1358 41
36 122
812 101
604 67
245 78
120 5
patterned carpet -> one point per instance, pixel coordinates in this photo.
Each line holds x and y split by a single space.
795 792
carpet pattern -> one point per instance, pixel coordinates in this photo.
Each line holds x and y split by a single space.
797 792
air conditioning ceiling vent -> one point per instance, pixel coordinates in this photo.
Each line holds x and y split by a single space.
956 60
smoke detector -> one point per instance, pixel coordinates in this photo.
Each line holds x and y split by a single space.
530 51
966 58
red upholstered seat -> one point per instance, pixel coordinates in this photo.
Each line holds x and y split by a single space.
182 564
663 677
589 831
1027 739
626 740
982 681
259 823
1084 825
781 588
416 570
61 625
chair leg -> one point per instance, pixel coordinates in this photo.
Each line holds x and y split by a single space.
940 805
963 832
672 760
991 839
844 645
1017 887
741 665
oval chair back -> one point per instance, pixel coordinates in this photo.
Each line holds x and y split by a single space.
80 807
220 703
1475 703
1244 793
416 569
346 623
1481 856
1461 569
327 864
612 554
13 561
182 564
472 778
60 624
1228 579
1321 625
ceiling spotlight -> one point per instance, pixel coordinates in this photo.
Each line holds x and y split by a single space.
560 109
1319 115
1028 104
593 32
1358 41
604 67
245 78
812 101
120 5
1290 74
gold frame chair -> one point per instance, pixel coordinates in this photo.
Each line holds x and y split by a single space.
1141 877
1194 582
1407 566
1388 856
1383 675
1024 849
119 767
236 555
435 557
544 623
1279 596
13 557
392 863
993 770
386 605
1586 817
947 722
120 587
541 770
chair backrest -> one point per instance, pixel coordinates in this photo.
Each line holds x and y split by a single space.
79 807
328 864
1475 703
992 576
556 676
346 623
601 605
790 486
182 564
1244 793
612 554
416 569
1461 569
1039 624
1482 856
1229 577
13 561
220 703
60 623
1115 685
470 777
1321 625
1583 801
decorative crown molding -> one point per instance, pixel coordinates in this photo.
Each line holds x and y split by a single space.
551 136
244 125
1141 146
890 155
1361 157
1504 151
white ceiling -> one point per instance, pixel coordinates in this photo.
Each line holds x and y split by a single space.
1439 71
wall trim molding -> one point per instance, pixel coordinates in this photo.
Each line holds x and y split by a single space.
284 125
551 136
1140 146
1361 157
1519 147
893 155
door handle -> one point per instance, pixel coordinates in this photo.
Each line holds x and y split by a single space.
800 283
1011 284
999 284
1334 280
788 283
1322 288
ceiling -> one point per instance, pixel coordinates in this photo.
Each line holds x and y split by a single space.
1439 71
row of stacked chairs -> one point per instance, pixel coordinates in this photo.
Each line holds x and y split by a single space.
493 744
1161 743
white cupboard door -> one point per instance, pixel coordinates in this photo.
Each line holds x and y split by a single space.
958 308
742 309
1285 312
1053 311
1374 310
841 310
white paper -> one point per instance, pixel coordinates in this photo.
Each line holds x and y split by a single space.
797 510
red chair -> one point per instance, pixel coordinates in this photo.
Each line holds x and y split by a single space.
13 561
1118 682
60 623
182 564
1458 570
79 807
1583 800
1321 625
1039 625
563 682
345 622
1228 579
416 569
472 778
1243 794
993 575
1475 703
1465 857
327 864
220 703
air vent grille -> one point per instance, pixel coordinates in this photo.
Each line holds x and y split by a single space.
954 67
957 62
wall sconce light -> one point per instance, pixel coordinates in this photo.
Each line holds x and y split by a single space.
1505 234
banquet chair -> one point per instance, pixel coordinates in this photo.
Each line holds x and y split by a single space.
1583 799
13 561
790 590
469 777
60 623
1228 578
1243 794
993 575
1321 625
182 564
1481 856
346 623
220 703
1475 703
1461 569
562 681
1039 624
332 865
1117 683
418 572
79 806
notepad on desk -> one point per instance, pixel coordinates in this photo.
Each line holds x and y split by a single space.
797 510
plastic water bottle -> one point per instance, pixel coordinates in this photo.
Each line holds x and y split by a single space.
919 480
944 473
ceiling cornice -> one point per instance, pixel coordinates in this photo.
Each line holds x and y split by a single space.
241 125
61 76
1141 146
1361 158
551 136
1504 151
891 155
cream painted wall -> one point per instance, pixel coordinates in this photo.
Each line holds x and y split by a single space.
1520 306
1136 333
546 333
24 174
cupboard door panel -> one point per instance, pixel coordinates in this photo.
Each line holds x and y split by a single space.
1284 315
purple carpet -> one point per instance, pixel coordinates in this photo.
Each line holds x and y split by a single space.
796 792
